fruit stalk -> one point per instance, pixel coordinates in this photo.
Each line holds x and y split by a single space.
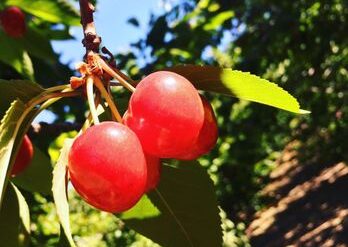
99 84
90 97
116 75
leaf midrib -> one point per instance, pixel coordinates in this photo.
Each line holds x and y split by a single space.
176 219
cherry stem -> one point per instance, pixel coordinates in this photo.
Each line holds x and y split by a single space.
48 95
86 124
90 97
58 88
115 74
99 84
124 76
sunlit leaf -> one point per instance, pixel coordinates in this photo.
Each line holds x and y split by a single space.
142 210
59 188
216 22
242 85
58 11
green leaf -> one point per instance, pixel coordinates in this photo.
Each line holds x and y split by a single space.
59 189
37 177
14 124
142 210
8 132
12 54
63 240
14 219
189 214
133 21
17 89
58 11
180 53
242 85
58 34
216 22
36 44
27 69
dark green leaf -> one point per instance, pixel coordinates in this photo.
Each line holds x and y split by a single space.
15 56
17 89
36 44
58 34
156 36
59 11
14 219
189 211
37 177
239 84
63 240
59 189
133 21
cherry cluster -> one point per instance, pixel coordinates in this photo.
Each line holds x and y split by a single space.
12 21
111 165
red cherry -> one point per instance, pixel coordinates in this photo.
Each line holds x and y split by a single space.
24 156
12 20
153 168
153 172
207 136
107 167
166 113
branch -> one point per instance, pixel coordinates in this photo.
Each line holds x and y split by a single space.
91 40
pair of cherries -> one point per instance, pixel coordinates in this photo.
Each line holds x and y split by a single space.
111 165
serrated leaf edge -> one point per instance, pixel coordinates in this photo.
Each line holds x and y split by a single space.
3 182
296 105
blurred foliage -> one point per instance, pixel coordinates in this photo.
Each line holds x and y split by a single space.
299 44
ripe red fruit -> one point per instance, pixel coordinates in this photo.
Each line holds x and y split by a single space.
153 172
166 113
207 136
12 20
24 156
107 167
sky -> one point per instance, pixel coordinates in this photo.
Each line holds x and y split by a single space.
111 24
